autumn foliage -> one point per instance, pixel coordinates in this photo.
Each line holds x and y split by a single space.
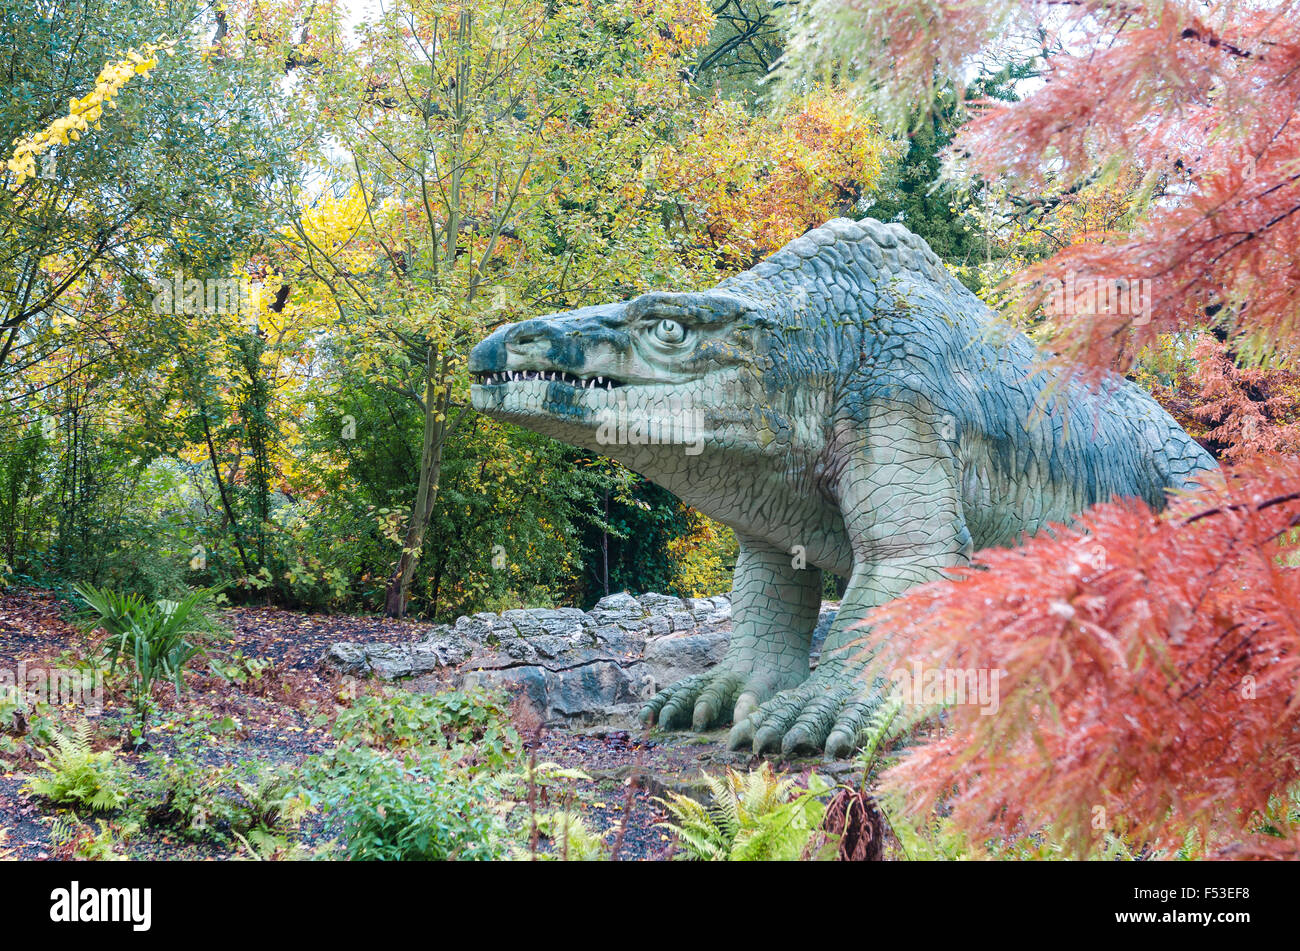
1222 138
1149 672
752 185
1199 99
1236 411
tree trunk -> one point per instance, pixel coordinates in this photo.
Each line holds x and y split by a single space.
435 431
604 547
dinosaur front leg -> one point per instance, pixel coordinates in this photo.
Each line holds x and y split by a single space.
830 709
902 507
774 610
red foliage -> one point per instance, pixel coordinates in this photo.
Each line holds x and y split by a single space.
1263 847
1202 97
1124 686
1210 106
1248 410
1160 684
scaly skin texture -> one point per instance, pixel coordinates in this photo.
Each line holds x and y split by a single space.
845 406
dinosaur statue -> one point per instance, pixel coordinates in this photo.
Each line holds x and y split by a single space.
845 406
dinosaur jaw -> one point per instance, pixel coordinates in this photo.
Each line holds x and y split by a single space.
531 397
636 423
563 405
504 378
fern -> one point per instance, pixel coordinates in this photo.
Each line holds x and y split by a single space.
77 775
881 728
262 845
698 830
754 816
931 838
571 838
71 839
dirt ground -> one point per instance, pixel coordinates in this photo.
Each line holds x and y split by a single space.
276 719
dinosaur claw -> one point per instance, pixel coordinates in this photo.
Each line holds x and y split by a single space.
672 716
746 704
840 744
741 736
767 740
800 742
703 717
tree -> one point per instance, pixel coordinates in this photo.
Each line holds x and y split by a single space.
398 193
744 186
476 141
514 162
745 44
126 164
1235 411
153 146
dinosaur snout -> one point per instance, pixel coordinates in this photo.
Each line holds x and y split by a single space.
585 348
563 342
491 354
530 344
531 336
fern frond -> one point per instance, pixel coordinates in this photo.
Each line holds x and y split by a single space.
697 829
725 808
755 816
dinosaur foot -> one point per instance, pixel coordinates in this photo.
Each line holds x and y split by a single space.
827 712
713 698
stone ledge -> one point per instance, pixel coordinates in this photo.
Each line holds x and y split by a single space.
575 668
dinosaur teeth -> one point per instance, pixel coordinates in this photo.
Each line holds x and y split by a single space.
545 376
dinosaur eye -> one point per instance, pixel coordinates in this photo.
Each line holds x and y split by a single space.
670 331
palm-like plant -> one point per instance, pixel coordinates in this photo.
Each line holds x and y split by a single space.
155 639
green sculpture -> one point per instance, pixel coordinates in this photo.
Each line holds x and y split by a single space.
844 406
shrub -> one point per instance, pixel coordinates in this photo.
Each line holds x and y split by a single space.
207 802
73 840
156 639
476 721
572 840
1144 660
414 807
18 720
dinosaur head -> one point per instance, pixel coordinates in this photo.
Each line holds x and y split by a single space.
634 380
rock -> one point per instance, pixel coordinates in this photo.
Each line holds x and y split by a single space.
617 640
580 695
484 628
681 621
661 603
348 657
618 602
669 659
824 621
393 661
621 609
575 668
